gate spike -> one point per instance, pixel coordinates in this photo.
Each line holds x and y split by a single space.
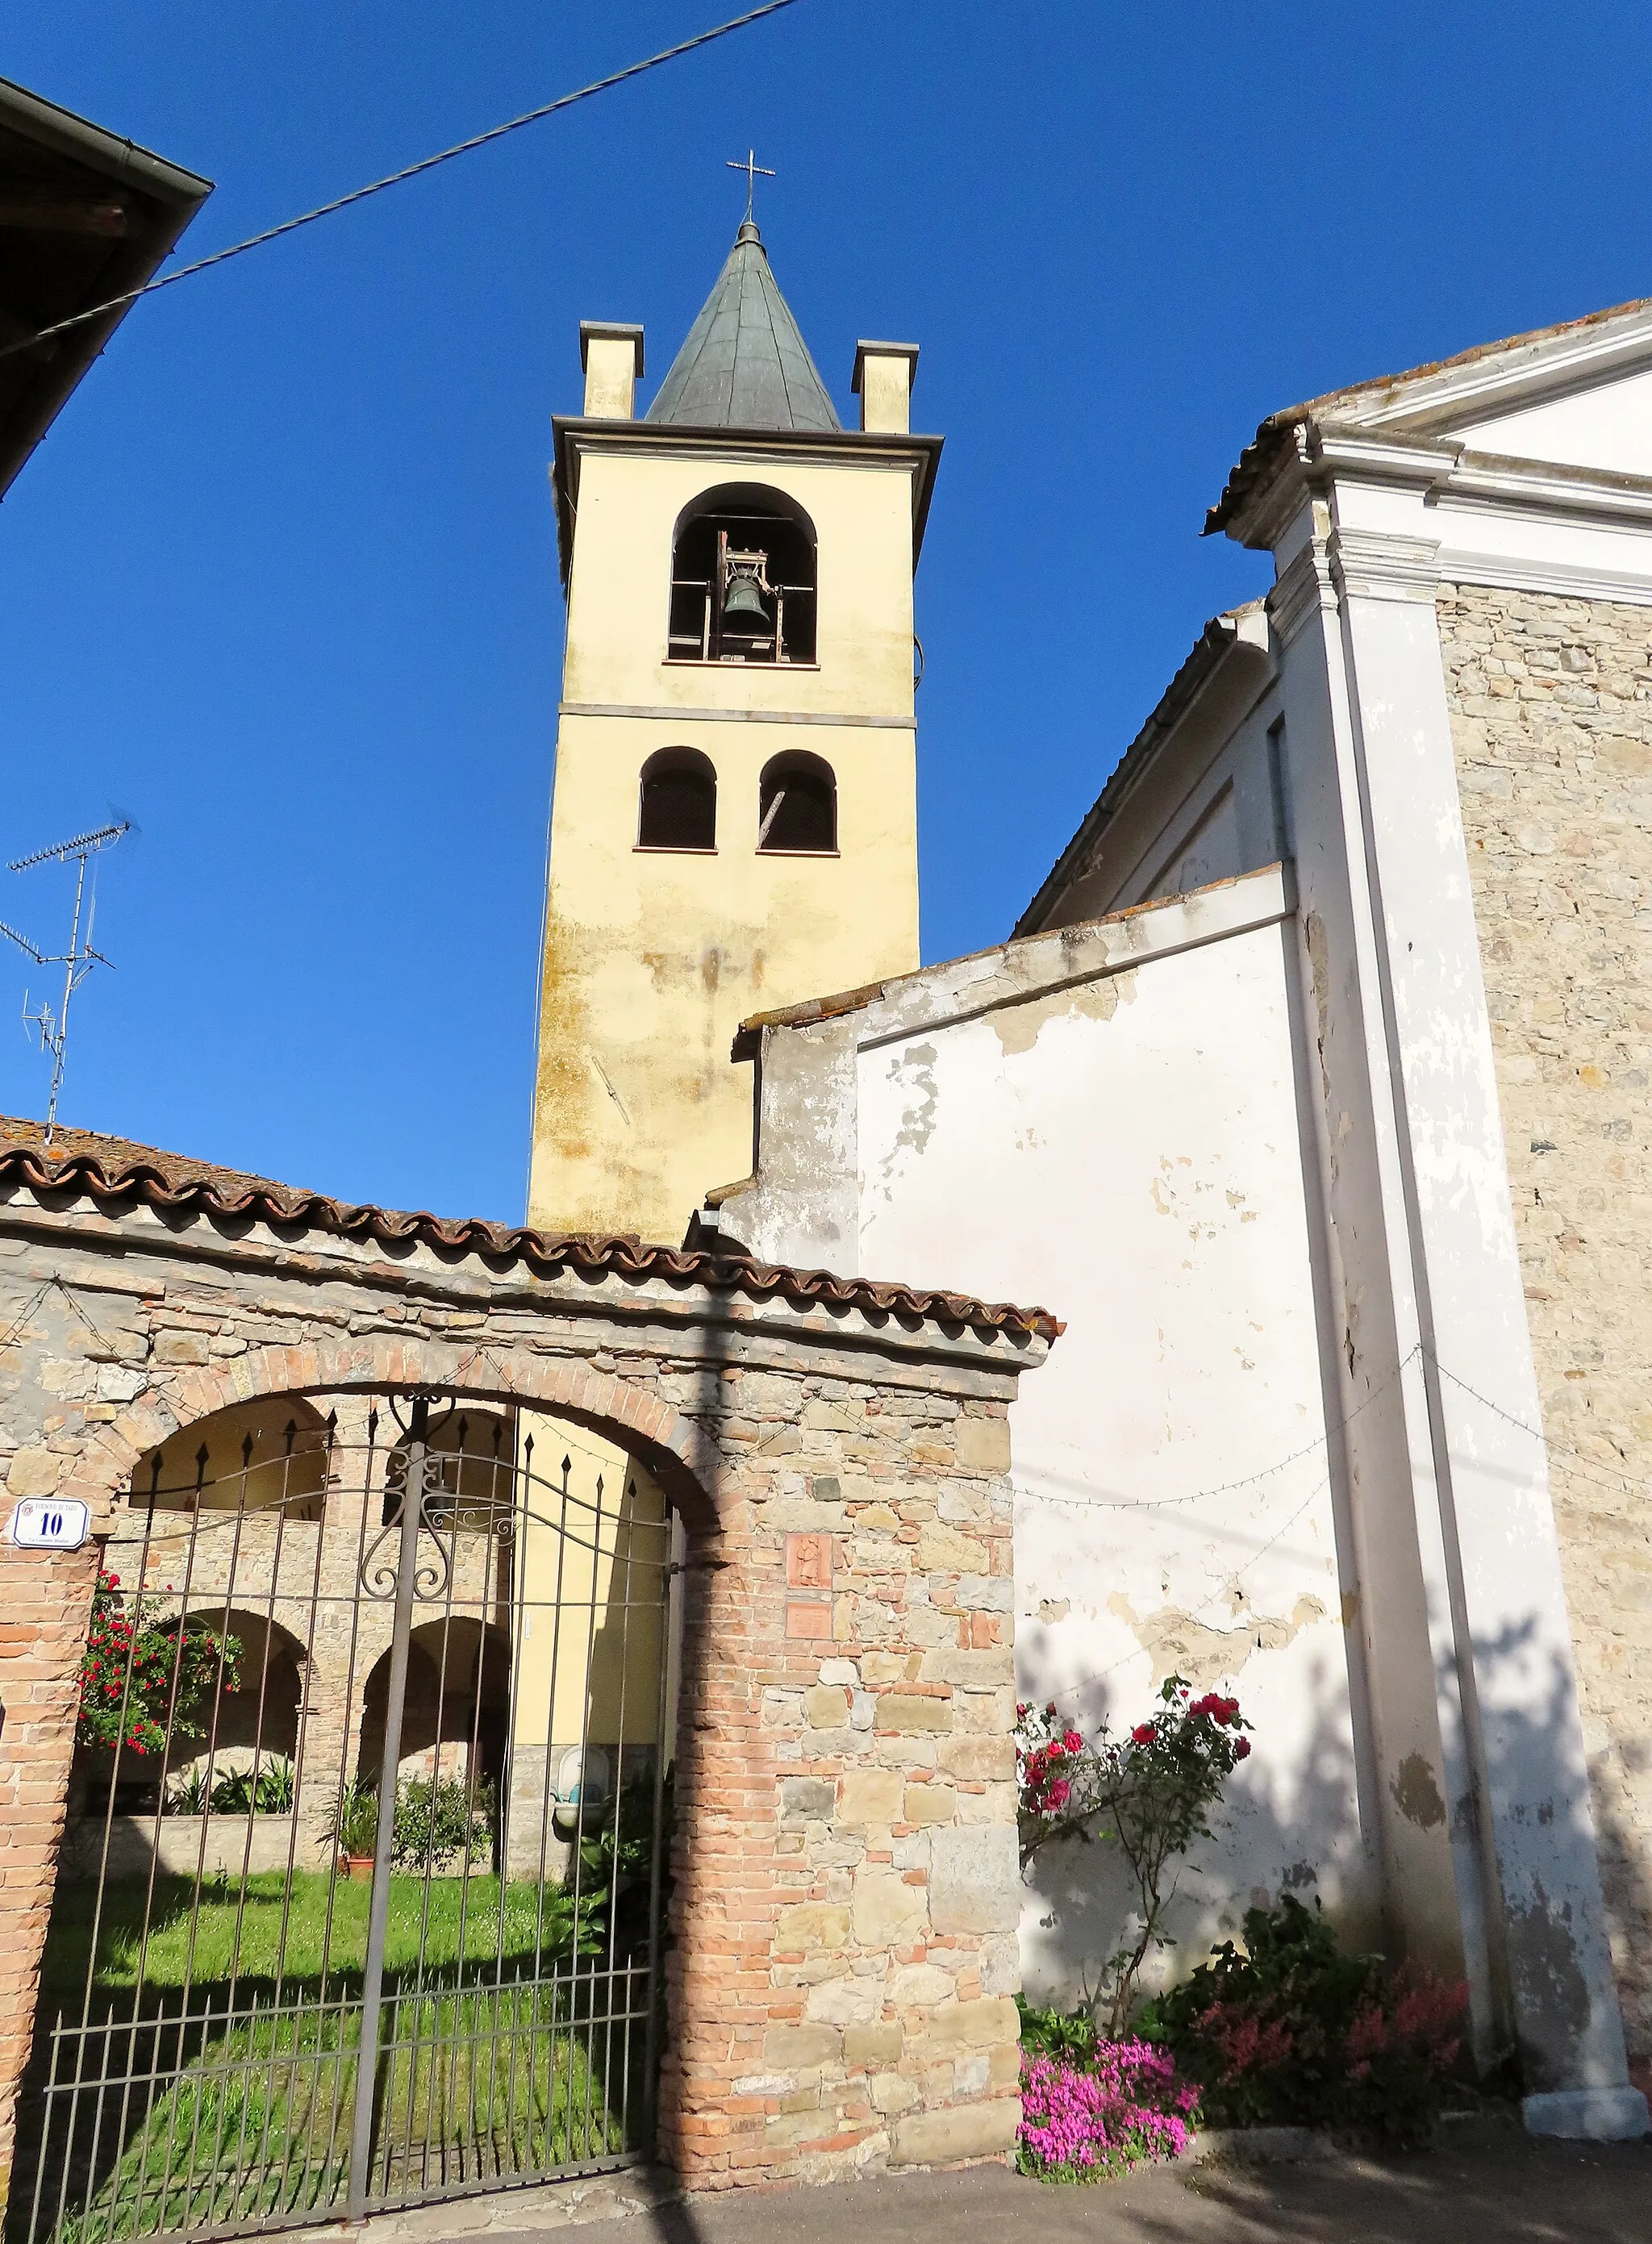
498 1435
291 1435
462 1430
201 1456
332 1428
248 1446
155 1464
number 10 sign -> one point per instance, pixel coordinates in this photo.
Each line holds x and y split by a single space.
50 1523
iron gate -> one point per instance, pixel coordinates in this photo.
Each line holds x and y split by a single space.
362 1882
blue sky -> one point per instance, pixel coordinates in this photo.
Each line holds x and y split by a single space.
280 585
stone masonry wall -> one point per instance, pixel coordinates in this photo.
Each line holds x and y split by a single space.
1551 704
849 1887
843 1954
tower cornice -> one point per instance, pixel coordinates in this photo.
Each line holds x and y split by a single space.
573 436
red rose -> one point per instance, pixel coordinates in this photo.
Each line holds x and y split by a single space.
1143 1733
1241 1748
1073 1742
1059 1793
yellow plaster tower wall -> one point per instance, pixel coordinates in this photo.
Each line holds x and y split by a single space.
652 957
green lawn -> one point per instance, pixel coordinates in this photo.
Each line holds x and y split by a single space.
489 2068
282 1927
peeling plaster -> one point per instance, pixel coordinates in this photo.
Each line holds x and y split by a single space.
1017 1027
914 1067
1178 1641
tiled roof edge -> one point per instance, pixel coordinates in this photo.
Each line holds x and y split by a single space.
143 1184
1255 462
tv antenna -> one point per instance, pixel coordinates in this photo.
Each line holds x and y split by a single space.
77 961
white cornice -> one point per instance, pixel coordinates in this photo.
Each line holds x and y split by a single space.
1514 486
1337 451
1302 588
1567 580
667 713
1560 505
1384 565
1510 379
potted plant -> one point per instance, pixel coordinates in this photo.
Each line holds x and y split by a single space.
352 1828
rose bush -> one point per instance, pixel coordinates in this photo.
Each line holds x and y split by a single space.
144 1675
1150 1794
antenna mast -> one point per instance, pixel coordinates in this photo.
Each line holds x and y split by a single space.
77 961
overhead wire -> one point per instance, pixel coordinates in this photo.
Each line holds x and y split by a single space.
1567 1455
397 178
1249 1480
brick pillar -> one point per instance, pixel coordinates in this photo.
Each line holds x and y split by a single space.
45 1603
846 1884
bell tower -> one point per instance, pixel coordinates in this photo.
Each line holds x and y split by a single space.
734 824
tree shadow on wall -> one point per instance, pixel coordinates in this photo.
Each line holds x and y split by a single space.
1299 1830
1293 1830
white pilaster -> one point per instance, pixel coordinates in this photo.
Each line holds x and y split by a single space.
1517 1790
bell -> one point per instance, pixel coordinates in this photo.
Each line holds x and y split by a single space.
743 607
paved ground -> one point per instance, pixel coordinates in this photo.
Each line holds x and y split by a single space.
1506 2191
1487 2183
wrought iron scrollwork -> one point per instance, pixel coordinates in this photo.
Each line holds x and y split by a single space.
380 1573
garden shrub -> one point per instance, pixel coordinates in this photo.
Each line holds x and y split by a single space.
272 1791
440 1820
1121 2107
1293 2030
1067 2036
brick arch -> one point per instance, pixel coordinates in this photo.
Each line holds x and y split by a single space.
675 1450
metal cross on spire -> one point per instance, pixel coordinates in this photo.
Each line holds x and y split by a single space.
754 172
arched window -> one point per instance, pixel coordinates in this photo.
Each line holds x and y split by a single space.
742 579
797 805
677 803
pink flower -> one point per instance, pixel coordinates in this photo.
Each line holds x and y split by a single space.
1126 2106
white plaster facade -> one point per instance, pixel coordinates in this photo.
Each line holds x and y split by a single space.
1311 1047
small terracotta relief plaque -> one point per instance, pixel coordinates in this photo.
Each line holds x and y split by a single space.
809 1584
809 1562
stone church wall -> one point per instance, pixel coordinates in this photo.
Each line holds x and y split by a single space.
1551 703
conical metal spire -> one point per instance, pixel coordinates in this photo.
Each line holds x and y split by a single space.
744 365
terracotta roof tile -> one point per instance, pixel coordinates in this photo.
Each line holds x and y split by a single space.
118 1173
